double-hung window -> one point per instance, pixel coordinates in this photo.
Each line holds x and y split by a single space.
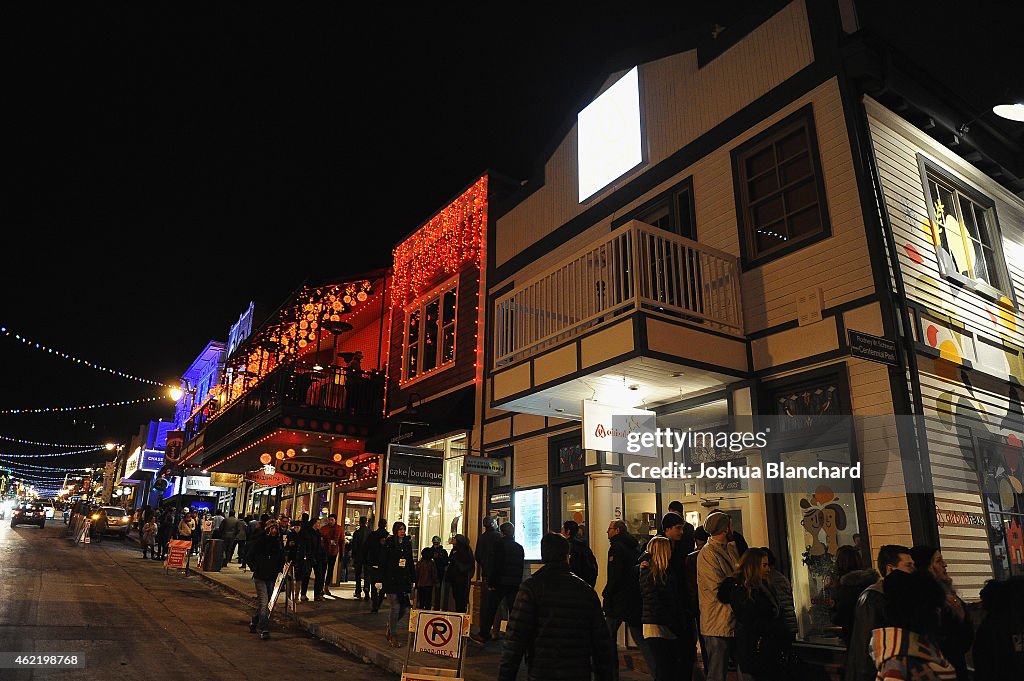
430 332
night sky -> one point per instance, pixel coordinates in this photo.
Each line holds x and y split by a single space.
165 166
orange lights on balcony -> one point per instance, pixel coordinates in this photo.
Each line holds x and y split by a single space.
265 459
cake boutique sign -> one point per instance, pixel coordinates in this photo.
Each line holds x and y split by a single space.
415 466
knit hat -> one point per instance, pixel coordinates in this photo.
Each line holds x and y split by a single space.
670 520
716 523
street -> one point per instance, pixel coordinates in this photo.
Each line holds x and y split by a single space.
131 621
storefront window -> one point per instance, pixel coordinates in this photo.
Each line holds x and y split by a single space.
419 508
570 457
1002 474
574 506
322 509
817 524
640 502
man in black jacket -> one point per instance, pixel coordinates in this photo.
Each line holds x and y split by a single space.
621 595
265 556
485 547
582 561
686 543
870 612
373 552
359 538
505 574
557 624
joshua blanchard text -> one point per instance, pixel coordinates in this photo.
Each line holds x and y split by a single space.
820 471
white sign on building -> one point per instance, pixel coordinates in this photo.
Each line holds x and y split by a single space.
607 428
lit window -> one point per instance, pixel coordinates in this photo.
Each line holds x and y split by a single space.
430 333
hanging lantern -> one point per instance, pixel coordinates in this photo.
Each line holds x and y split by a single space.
265 458
337 457
290 453
279 455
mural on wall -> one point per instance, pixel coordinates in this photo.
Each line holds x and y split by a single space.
823 517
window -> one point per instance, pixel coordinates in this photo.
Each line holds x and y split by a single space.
965 232
780 195
430 332
672 211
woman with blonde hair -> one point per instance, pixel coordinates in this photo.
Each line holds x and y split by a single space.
761 633
667 625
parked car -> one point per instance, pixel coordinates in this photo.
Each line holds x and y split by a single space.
110 520
28 513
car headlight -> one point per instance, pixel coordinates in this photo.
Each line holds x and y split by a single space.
95 516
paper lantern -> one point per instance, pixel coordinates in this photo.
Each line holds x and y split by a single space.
265 458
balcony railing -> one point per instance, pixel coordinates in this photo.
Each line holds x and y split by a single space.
337 390
635 267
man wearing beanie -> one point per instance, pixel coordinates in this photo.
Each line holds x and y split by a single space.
557 624
715 562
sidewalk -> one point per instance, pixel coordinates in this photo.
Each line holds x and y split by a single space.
347 623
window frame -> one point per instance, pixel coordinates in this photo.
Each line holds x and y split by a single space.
670 199
419 306
933 172
803 118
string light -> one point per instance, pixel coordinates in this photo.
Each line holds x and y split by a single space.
34 456
43 444
82 407
444 244
35 467
77 360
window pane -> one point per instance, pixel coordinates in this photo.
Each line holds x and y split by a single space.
768 212
412 347
761 161
449 307
412 361
574 507
967 218
685 226
413 334
991 271
659 216
955 254
770 236
792 144
801 196
640 503
430 333
763 186
796 168
448 344
817 524
807 221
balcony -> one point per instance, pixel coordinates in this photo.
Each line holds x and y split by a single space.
334 400
641 306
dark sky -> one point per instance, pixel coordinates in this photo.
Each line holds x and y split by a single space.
165 166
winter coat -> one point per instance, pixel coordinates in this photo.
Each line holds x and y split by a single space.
426 573
485 546
715 562
265 557
229 528
582 561
358 543
149 533
868 615
242 533
999 646
903 654
621 594
690 582
334 534
782 590
185 529
460 564
440 557
851 586
761 633
956 636
557 625
373 550
165 529
398 565
664 602
507 563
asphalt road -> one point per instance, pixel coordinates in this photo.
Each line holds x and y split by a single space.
133 622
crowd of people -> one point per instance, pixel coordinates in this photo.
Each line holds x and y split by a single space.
684 587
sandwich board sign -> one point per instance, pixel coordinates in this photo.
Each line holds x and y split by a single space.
177 554
437 633
278 585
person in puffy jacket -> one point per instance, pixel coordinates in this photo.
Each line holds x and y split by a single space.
426 579
460 571
504 575
265 556
557 624
668 636
399 572
999 647
761 632
582 561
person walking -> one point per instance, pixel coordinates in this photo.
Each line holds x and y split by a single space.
557 623
229 533
307 544
460 571
870 613
149 530
374 554
762 637
505 575
399 573
426 579
715 562
440 557
333 537
265 556
359 538
906 648
241 536
668 637
486 545
582 561
318 560
956 634
163 533
621 595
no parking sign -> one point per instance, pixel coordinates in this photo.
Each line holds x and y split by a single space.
440 633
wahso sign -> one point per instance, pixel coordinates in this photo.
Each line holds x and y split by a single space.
310 469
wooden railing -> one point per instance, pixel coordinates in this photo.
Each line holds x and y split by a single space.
635 267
